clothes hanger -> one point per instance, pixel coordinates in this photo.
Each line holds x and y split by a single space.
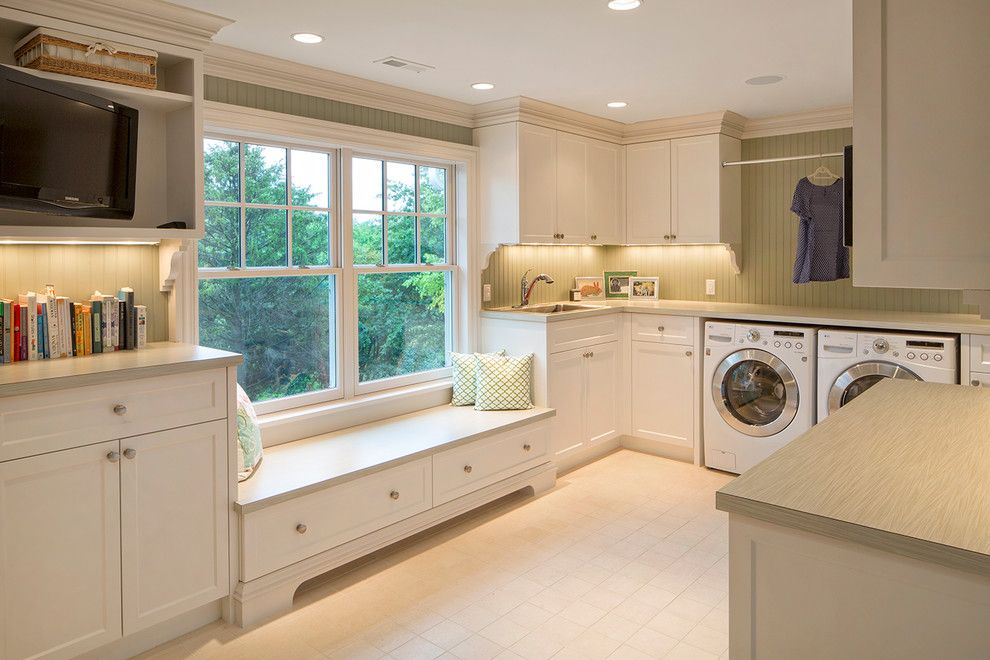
823 173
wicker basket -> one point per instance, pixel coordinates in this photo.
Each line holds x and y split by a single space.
76 55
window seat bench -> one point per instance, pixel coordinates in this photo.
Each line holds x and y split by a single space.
321 502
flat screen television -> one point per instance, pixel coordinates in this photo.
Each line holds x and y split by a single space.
64 151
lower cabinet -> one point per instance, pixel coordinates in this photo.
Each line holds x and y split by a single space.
664 387
584 387
104 540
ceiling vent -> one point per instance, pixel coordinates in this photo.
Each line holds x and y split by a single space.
405 65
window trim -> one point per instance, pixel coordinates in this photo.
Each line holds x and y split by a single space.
458 336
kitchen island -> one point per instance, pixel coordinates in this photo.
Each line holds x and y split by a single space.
869 536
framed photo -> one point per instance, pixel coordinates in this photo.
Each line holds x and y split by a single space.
617 283
644 288
591 288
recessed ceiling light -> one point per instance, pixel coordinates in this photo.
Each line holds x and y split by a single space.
307 38
483 86
624 5
764 80
616 104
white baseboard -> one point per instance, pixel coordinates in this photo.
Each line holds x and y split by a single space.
664 449
149 638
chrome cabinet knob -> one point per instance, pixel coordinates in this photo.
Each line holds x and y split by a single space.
113 456
594 237
130 452
120 409
527 447
467 469
666 237
660 328
591 354
975 383
301 528
394 494
689 353
673 237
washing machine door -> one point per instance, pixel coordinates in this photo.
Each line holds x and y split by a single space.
755 393
860 377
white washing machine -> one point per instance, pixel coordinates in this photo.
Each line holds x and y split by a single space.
759 391
850 362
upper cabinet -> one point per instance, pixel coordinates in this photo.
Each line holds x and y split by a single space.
540 185
678 192
921 87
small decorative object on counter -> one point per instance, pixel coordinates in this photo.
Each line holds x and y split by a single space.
575 294
591 288
644 288
617 283
87 57
46 326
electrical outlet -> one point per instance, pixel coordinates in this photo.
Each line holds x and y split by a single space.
486 293
709 287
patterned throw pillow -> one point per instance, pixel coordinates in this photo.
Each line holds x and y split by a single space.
248 437
504 382
464 377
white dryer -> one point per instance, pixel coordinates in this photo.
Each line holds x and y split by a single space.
758 389
850 362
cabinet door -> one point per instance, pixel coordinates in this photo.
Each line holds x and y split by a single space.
565 383
694 200
648 192
605 222
663 393
603 392
572 188
173 522
59 553
537 184
919 129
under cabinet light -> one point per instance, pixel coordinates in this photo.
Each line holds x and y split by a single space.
18 241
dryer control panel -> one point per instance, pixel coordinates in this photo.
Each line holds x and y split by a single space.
921 350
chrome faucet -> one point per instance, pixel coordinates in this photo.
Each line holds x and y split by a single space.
526 287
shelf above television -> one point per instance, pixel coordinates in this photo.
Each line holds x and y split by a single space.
15 234
136 97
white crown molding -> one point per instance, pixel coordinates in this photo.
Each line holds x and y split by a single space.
245 66
724 121
799 122
541 113
151 19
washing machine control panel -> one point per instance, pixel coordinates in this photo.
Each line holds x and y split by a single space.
789 340
912 349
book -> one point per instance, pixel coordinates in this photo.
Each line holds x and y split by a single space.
122 325
24 331
75 311
99 324
87 319
15 332
42 328
51 322
4 329
64 327
141 326
30 299
112 313
129 323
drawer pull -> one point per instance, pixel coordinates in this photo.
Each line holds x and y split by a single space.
301 528
394 494
130 453
113 456
467 469
975 383
120 409
527 447
660 328
688 353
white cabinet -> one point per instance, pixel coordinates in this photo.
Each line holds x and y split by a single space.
60 553
648 192
665 392
919 118
173 501
584 386
540 185
678 192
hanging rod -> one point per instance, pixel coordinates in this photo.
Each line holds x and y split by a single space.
732 163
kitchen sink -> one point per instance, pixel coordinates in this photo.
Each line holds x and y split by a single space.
552 309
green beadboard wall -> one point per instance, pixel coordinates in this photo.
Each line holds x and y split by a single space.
249 95
77 271
769 242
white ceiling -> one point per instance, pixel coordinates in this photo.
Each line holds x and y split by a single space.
668 58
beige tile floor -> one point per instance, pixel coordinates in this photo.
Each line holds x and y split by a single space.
626 558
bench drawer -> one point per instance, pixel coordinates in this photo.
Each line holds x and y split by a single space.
290 531
568 335
664 329
467 468
49 421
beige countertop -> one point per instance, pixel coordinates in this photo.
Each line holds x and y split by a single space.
817 316
904 468
158 359
303 466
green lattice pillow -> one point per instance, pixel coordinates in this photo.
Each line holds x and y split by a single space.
504 382
464 368
249 447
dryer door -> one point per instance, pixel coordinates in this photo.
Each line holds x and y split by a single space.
860 377
755 393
